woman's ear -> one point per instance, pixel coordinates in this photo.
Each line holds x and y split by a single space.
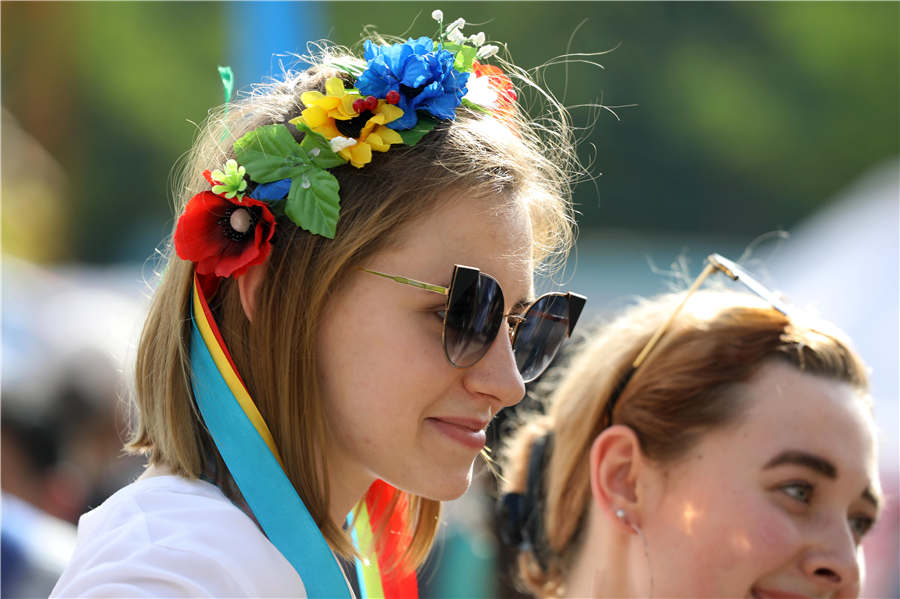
616 461
248 286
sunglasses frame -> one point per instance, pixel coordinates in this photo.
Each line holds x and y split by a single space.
714 263
462 277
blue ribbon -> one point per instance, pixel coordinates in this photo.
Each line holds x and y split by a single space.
264 485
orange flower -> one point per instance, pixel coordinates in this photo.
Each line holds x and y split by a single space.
499 91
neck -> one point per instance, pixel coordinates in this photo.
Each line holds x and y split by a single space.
343 499
604 562
347 485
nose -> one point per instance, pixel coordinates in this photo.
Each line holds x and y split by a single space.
835 561
496 375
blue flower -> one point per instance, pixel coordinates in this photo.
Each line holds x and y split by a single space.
425 78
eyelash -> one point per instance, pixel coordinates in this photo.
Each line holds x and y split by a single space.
860 525
804 486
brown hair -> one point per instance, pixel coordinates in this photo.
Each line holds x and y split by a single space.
687 386
509 161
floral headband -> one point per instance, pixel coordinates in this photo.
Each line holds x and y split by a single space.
404 90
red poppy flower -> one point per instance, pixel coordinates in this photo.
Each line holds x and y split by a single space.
224 236
506 93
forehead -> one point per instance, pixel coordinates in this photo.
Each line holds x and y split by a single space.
788 409
489 233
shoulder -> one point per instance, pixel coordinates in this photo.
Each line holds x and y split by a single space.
169 536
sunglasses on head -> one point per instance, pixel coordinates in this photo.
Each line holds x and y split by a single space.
714 263
474 315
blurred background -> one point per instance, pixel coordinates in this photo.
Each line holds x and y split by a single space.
764 131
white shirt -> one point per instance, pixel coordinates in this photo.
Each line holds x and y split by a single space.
167 536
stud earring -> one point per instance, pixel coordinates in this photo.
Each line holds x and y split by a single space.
620 514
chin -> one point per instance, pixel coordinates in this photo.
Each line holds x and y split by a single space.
445 486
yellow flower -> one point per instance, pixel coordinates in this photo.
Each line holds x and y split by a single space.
332 115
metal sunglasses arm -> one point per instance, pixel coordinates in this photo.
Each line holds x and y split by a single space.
710 268
411 282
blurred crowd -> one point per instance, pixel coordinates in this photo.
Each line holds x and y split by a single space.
64 342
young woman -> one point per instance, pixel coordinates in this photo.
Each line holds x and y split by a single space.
704 445
349 302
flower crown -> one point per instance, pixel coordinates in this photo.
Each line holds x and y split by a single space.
404 90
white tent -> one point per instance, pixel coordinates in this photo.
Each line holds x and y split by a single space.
843 264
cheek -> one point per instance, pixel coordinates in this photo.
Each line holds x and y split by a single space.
379 372
754 524
757 540
725 540
759 536
359 349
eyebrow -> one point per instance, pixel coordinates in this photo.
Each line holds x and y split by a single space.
801 458
817 464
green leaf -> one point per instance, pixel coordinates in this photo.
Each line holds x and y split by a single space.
317 148
474 106
412 136
270 153
313 202
465 56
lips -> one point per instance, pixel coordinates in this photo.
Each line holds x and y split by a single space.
465 431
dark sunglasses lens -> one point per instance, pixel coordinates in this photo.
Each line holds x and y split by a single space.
541 334
474 316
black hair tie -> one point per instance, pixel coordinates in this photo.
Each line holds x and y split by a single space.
522 514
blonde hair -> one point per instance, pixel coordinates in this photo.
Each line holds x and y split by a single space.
515 160
686 387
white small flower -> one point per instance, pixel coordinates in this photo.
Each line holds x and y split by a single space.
487 51
477 39
339 143
315 152
479 91
457 24
456 36
437 15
